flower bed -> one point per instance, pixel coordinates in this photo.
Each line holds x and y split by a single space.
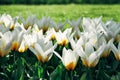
35 48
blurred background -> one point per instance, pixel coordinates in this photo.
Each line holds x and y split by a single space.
59 1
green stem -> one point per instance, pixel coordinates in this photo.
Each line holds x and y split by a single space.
70 75
44 66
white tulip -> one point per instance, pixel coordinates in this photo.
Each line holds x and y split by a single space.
63 37
43 50
76 27
16 43
6 40
69 58
8 21
112 30
50 34
89 56
45 23
115 50
29 21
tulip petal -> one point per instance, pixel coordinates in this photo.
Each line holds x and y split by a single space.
39 48
88 48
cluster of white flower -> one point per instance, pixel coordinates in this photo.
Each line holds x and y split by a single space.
90 39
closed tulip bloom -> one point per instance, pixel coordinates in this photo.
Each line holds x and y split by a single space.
69 58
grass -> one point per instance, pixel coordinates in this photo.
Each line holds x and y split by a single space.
64 12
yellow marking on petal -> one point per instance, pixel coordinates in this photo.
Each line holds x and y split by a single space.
22 50
63 42
117 38
106 53
71 66
26 47
37 30
41 59
27 26
12 27
117 56
45 29
85 62
4 54
15 46
56 29
52 37
1 53
32 45
93 64
77 36
94 41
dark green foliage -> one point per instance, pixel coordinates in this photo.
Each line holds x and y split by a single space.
24 66
59 1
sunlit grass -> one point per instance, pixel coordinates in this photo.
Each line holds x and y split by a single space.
64 12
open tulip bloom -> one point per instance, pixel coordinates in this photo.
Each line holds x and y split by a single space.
8 21
76 27
6 40
43 50
69 58
89 56
29 39
111 30
115 50
63 37
30 21
45 23
50 34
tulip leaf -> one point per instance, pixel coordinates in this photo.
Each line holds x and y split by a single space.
104 76
116 77
83 77
3 76
18 73
57 73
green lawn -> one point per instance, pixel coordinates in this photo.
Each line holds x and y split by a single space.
64 12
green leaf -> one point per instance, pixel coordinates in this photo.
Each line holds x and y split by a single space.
83 77
104 76
40 72
116 77
18 72
57 73
3 76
